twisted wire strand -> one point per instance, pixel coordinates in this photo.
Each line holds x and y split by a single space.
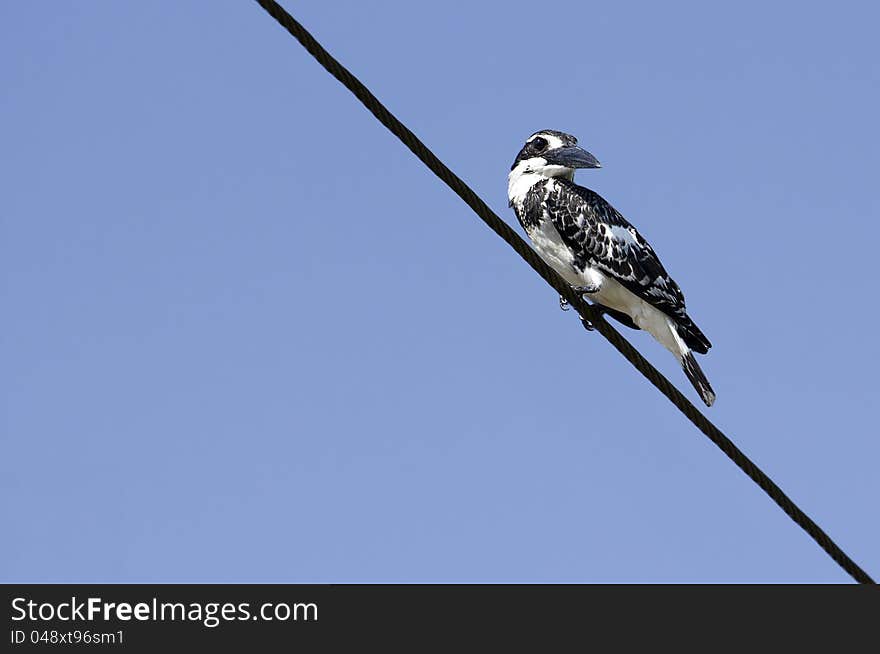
585 310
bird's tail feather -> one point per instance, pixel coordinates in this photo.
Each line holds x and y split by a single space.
697 378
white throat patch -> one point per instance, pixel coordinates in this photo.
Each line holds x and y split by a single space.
529 172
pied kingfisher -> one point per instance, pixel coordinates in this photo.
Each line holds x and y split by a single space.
597 251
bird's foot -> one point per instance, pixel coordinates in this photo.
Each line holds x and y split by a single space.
599 310
590 288
580 290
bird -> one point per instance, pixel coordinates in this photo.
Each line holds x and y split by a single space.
598 252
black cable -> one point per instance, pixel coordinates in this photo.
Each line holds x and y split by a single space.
586 312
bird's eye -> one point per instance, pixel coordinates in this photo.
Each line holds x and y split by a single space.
539 144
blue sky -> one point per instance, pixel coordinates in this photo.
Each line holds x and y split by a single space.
247 336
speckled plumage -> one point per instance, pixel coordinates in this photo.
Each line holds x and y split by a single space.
599 236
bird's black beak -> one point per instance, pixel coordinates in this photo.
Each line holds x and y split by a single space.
572 157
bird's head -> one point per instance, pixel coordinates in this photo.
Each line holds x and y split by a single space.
549 153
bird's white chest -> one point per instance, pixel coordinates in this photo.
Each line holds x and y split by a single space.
554 251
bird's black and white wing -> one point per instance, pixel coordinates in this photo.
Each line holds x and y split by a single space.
599 236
